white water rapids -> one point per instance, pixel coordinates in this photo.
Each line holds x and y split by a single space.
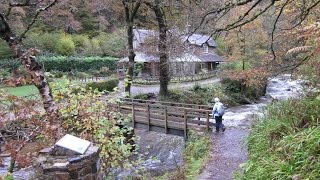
278 88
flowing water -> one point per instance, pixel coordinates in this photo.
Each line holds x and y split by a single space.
279 88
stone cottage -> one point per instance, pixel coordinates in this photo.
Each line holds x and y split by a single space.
188 54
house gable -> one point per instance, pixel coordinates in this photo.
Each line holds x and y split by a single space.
202 46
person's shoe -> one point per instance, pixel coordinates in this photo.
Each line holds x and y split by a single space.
223 129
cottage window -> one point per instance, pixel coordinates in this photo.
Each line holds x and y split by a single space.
205 48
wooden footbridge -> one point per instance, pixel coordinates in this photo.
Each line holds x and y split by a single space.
167 117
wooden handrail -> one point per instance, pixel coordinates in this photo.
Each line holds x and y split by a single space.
166 102
177 107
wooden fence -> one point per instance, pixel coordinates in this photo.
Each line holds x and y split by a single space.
167 117
181 78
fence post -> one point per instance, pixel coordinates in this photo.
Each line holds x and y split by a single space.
185 124
133 116
119 106
199 116
207 124
166 119
148 116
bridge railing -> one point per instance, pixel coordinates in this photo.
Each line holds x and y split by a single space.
166 115
194 106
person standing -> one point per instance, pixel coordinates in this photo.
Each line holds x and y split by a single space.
218 111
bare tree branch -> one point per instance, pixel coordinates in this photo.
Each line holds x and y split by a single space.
36 16
274 28
302 17
219 10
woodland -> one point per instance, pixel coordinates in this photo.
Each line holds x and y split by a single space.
44 41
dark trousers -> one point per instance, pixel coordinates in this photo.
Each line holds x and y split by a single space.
218 122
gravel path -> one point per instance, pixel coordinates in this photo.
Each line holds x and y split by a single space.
142 89
228 152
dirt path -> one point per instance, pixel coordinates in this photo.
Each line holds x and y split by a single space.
142 89
228 152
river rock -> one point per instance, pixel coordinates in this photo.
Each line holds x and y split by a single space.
159 153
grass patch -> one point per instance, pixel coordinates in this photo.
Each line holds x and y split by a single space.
286 143
31 90
22 90
196 154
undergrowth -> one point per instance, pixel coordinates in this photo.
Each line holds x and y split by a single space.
203 95
197 95
196 155
286 143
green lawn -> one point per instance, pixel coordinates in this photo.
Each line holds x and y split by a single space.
22 90
30 89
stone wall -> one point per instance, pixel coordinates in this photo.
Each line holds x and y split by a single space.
51 165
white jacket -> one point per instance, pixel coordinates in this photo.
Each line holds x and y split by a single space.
216 106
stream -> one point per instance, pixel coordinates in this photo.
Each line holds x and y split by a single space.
278 88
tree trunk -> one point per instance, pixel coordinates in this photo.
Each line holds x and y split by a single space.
33 68
164 76
131 55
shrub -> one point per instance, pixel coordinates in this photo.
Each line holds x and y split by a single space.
81 74
87 114
65 46
103 71
197 95
5 51
113 44
9 64
44 42
107 85
146 96
138 68
239 93
57 74
4 73
83 64
81 42
93 48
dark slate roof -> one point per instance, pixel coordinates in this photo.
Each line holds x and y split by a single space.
210 57
199 39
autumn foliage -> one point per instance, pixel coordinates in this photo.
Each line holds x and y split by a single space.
82 112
